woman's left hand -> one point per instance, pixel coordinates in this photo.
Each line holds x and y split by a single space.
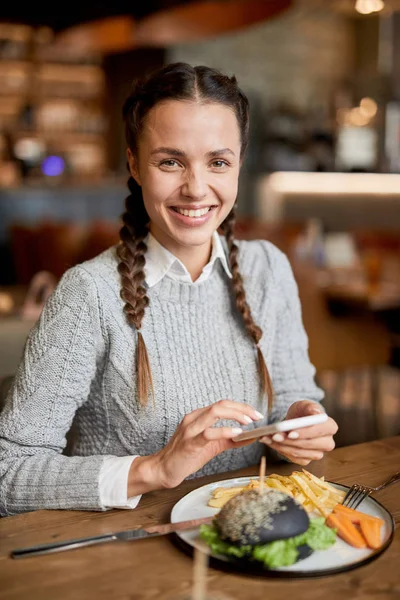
304 445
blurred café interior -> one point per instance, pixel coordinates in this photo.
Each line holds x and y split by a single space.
321 178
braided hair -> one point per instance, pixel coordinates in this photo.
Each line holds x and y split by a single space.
177 81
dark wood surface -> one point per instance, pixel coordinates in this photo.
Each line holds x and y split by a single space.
155 568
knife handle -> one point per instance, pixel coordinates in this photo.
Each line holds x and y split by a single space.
60 546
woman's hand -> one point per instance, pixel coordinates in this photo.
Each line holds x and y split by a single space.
307 444
194 443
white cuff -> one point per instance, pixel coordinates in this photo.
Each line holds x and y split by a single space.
113 482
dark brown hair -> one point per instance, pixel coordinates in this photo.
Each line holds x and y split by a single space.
177 81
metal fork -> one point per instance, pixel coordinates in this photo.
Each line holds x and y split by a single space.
357 493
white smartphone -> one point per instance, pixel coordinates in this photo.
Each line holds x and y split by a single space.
281 426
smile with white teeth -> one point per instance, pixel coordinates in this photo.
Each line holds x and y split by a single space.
200 212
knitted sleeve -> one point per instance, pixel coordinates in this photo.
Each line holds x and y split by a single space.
52 382
292 372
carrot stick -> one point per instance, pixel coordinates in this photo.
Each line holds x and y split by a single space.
371 531
355 516
346 530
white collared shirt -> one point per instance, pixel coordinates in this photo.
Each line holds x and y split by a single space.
160 262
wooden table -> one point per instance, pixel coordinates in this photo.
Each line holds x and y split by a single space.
155 568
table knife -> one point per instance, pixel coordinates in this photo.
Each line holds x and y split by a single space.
128 535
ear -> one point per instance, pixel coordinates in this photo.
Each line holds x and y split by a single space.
133 166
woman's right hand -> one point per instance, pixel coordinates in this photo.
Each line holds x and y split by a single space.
195 442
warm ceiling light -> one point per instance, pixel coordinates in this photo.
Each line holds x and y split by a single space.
366 7
357 118
368 107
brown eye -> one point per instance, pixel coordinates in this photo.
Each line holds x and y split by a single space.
169 163
220 164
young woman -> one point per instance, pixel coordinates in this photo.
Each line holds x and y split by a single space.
162 347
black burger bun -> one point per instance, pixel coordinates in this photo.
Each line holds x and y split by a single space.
251 518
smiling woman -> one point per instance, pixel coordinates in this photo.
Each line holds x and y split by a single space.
176 313
198 172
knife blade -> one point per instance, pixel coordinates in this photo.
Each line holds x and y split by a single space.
128 535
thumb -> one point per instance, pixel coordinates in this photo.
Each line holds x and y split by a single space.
303 408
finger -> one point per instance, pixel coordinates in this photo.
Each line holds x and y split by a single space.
194 414
296 453
224 409
325 443
328 428
279 437
220 433
303 408
241 406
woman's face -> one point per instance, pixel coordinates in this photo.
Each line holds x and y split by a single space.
188 166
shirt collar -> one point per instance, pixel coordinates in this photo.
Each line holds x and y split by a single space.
161 262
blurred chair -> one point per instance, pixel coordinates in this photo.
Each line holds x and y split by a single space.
100 236
42 254
58 246
55 247
40 288
16 325
24 253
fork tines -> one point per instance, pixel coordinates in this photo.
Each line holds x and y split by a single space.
356 494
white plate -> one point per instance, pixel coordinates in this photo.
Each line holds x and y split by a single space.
338 558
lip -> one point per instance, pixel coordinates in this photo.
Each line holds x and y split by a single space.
192 206
192 221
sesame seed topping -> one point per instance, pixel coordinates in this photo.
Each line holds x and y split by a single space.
241 519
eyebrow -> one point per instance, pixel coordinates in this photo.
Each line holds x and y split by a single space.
180 153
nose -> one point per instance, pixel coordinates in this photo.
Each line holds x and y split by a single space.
195 185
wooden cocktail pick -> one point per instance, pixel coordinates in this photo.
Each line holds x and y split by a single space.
262 475
200 575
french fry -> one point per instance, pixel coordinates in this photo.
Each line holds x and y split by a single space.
322 494
283 478
320 482
219 502
312 492
220 492
308 506
221 495
307 491
253 484
277 485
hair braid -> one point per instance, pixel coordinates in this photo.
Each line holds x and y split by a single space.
252 328
131 253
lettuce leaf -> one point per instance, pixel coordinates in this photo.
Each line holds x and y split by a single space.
210 535
281 553
319 536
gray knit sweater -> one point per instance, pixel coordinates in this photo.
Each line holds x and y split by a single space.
79 362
